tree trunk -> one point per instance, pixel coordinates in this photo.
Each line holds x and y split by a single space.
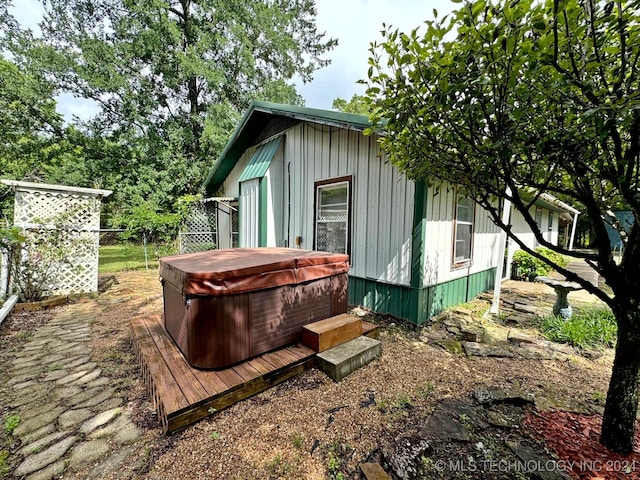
618 422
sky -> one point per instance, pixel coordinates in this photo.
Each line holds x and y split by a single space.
354 23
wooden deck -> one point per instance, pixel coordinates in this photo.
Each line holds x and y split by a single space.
183 395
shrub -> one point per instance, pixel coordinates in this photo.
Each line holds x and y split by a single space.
527 267
588 327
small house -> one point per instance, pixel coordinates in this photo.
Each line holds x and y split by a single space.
308 178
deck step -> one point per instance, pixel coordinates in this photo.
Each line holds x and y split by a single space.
330 332
340 361
370 330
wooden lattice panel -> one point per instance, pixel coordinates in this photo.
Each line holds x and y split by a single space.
70 216
199 231
75 211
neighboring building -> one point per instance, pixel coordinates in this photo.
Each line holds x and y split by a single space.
309 178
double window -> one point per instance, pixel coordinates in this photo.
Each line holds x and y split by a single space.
333 215
463 229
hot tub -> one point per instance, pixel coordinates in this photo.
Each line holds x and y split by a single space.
224 306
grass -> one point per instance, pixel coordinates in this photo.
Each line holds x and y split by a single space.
4 468
10 423
588 327
116 258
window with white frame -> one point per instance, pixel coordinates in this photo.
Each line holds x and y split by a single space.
333 215
463 229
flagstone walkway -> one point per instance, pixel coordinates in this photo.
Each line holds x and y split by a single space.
72 423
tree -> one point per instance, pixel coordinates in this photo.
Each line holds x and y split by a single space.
172 76
538 97
358 104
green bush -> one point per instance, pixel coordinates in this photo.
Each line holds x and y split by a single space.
588 327
527 267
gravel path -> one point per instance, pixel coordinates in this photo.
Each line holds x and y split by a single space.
71 421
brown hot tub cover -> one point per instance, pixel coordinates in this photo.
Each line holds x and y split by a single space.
237 270
224 306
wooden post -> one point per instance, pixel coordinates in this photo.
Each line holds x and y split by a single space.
4 274
502 244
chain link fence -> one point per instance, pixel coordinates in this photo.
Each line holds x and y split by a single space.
119 251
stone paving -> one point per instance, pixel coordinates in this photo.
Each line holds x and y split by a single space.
72 423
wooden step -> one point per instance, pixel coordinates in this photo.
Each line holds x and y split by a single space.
330 332
370 330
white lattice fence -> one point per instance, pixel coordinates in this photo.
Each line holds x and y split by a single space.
199 231
63 223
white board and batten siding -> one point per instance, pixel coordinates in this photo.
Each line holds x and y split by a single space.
439 265
382 198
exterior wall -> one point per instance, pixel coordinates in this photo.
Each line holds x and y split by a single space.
231 186
382 198
521 228
249 203
418 304
438 258
276 201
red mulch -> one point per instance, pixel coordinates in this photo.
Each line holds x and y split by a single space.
575 440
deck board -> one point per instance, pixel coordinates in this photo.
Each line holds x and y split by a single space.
183 395
191 388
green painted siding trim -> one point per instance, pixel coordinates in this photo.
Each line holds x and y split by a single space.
418 305
381 297
262 220
419 234
437 298
260 160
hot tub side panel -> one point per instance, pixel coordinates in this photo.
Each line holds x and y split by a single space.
219 330
278 315
174 317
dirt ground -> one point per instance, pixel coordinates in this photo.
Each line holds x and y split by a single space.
310 427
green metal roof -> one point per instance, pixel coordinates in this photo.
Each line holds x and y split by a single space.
260 161
257 117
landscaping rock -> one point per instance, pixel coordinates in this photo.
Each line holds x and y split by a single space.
474 349
463 408
40 460
111 464
530 457
74 417
441 427
87 452
471 333
43 442
47 473
37 422
517 337
504 417
404 456
452 346
573 406
496 395
99 420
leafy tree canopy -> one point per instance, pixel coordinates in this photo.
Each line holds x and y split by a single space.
170 77
358 104
538 97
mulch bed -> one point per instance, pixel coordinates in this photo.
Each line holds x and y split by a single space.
574 438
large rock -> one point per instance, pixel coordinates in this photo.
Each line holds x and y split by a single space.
475 349
442 427
404 456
